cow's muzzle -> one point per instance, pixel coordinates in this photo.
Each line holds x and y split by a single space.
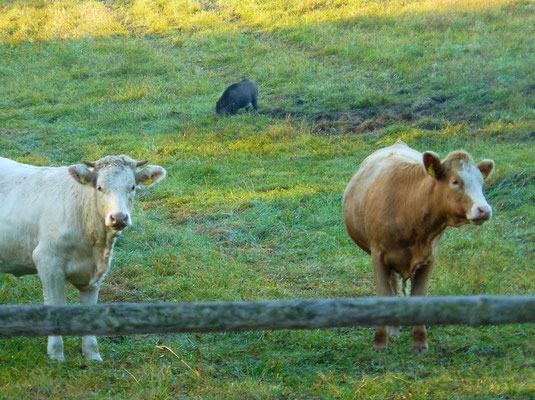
118 220
480 214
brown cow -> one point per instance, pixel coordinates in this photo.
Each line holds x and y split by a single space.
396 208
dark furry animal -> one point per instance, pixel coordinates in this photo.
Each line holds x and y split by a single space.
236 96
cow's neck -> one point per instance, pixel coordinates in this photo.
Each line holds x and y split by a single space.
431 217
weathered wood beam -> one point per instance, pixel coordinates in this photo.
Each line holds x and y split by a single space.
132 318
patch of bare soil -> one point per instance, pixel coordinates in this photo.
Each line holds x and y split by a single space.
361 120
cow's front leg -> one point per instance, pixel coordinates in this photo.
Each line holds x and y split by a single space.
420 287
52 276
384 288
89 342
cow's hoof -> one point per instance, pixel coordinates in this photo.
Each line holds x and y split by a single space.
379 346
93 356
90 348
57 357
54 348
420 348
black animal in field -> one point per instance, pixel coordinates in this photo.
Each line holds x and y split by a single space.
236 96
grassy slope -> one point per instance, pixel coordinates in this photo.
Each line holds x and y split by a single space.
251 207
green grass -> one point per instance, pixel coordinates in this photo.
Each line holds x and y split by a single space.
251 208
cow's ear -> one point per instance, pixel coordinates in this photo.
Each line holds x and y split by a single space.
150 175
82 174
432 164
485 166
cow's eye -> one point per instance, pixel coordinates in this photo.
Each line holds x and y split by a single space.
99 188
456 183
133 187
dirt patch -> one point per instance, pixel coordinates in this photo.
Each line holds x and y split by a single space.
329 122
283 114
361 120
8 132
355 121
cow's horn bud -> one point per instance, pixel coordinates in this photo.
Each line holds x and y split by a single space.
89 163
141 163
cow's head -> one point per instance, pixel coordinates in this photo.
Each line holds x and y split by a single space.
460 186
114 180
223 107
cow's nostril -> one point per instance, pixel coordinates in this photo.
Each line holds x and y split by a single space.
119 219
482 213
484 210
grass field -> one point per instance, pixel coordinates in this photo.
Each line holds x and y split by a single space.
251 208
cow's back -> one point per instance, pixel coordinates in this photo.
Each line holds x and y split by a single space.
26 189
35 203
376 190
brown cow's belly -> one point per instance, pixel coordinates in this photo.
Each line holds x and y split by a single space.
405 260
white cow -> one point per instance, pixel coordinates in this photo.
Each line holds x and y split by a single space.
61 223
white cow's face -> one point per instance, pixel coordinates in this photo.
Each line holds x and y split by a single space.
114 180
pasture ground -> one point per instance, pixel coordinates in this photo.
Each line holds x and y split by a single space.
251 206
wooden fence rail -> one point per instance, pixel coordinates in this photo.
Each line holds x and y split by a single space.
132 318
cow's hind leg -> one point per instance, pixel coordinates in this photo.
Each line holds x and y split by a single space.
420 287
394 331
52 277
384 288
89 342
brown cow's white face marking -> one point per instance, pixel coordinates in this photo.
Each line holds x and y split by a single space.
114 179
460 182
471 179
